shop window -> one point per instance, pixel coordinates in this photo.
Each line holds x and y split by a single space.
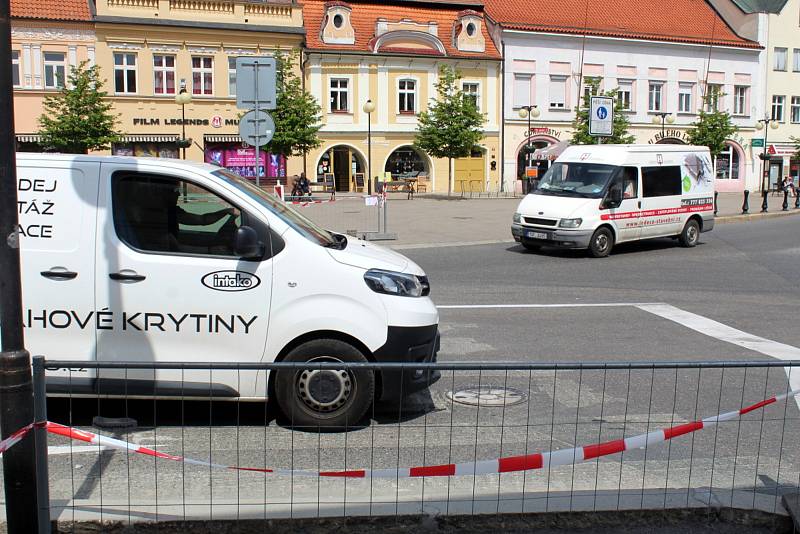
406 96
624 93
727 164
777 107
150 214
164 75
231 76
242 160
405 162
125 73
145 150
472 91
202 75
55 67
685 92
654 96
15 68
661 181
340 95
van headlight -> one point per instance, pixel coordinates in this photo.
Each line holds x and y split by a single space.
570 223
394 283
517 217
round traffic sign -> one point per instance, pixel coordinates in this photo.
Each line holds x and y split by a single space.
602 113
256 129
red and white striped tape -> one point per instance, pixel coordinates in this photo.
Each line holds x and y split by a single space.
508 464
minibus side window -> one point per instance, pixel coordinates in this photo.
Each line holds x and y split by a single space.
162 214
661 181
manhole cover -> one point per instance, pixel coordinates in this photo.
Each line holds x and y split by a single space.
487 396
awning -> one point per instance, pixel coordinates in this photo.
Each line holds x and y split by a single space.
150 138
29 138
222 138
553 150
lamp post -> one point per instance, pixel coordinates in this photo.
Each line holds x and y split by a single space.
528 112
663 117
369 107
765 123
182 98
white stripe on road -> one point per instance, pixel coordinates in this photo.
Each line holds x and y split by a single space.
569 305
717 330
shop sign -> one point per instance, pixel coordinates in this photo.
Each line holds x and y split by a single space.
673 133
774 150
757 143
543 131
156 121
216 121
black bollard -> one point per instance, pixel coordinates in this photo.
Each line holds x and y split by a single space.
796 199
764 203
716 194
746 204
785 200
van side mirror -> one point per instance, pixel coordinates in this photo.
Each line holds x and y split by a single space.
614 197
246 244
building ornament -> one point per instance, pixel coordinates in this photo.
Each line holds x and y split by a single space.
52 34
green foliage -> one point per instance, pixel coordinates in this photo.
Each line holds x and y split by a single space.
620 126
796 141
78 118
712 128
297 116
452 124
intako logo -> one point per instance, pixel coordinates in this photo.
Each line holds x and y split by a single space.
230 281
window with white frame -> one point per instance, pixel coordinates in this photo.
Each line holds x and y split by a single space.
522 90
163 74
624 92
685 92
796 109
231 76
796 60
780 58
655 97
124 73
472 91
777 107
202 75
713 93
740 93
406 96
558 92
591 87
727 164
340 95
15 68
55 68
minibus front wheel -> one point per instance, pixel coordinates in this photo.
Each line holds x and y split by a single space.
324 399
602 242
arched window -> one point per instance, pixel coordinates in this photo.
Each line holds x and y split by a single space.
728 164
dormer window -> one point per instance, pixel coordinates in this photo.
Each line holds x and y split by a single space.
471 29
467 30
336 28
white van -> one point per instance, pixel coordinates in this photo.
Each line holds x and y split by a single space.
143 260
594 196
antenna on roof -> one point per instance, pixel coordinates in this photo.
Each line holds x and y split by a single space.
583 51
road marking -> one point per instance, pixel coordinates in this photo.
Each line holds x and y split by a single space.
570 305
717 330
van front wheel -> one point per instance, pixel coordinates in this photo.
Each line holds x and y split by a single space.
324 399
602 242
690 234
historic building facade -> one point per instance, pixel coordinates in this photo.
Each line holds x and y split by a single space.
389 56
661 66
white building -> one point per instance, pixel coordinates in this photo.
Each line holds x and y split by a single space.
661 57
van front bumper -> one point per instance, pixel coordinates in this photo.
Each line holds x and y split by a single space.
551 237
408 344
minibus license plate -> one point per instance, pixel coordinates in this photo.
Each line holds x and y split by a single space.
535 235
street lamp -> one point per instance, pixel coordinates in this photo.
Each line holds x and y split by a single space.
528 112
663 117
182 98
762 124
369 107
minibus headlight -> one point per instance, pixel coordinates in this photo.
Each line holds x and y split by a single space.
570 223
517 217
393 283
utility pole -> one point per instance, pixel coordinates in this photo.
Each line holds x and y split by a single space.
16 388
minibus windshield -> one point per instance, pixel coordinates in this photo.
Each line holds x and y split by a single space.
300 223
574 179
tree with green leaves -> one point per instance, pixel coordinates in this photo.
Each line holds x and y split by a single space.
297 115
620 125
712 128
452 124
796 141
79 118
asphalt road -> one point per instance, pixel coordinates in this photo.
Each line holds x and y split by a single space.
734 297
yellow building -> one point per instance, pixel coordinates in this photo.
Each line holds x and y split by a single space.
390 55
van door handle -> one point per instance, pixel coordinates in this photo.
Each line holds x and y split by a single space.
127 277
640 204
59 275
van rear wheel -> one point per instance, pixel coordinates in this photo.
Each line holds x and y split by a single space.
324 399
602 242
690 234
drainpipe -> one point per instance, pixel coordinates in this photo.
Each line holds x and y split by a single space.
303 61
502 117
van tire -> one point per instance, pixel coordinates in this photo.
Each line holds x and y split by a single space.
326 400
601 243
690 234
531 247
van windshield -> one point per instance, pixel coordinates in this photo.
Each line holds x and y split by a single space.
573 179
300 223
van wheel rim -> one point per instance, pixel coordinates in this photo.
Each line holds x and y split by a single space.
324 390
691 233
601 242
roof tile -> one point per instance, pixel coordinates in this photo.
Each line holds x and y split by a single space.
72 10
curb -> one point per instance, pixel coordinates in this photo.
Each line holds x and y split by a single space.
754 216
